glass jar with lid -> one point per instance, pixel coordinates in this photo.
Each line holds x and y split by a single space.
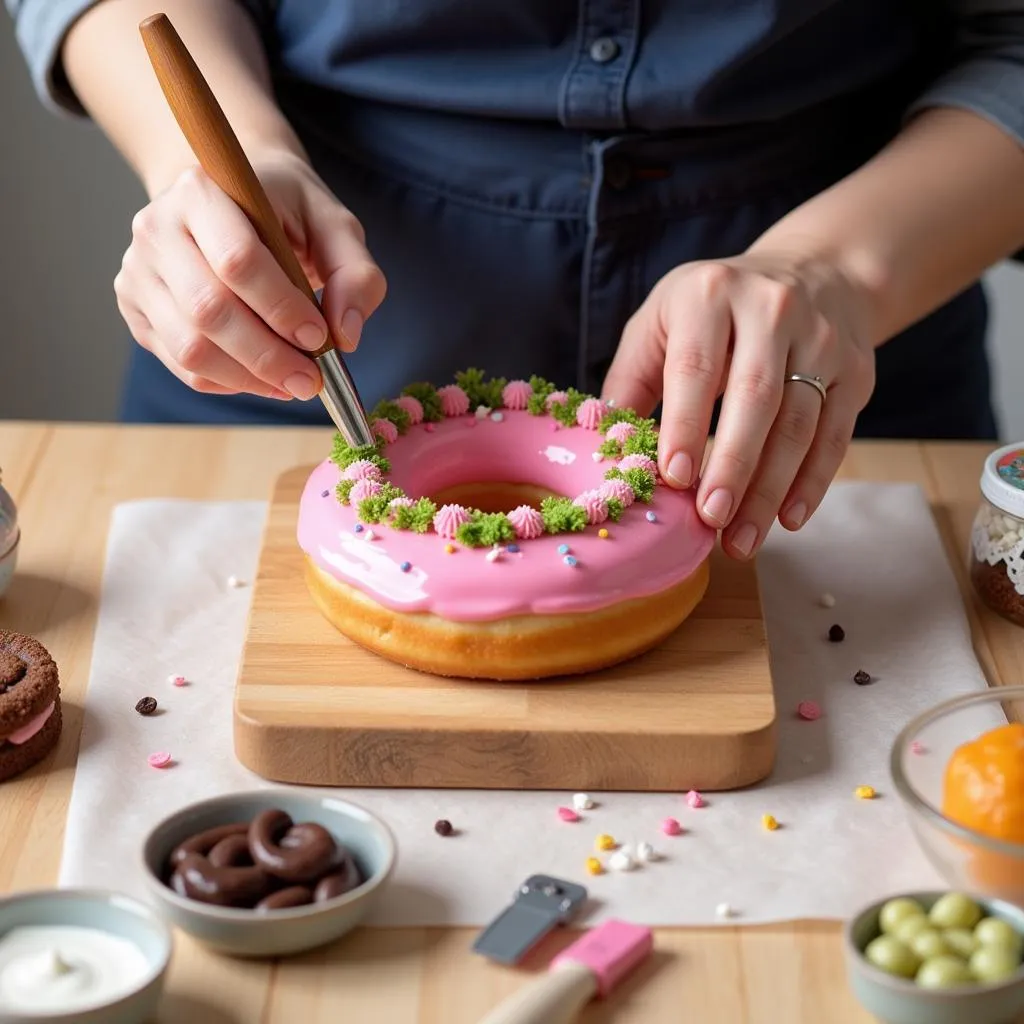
9 537
997 536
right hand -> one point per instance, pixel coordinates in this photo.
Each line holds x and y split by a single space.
200 291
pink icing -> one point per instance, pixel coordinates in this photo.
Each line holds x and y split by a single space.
527 522
555 397
590 413
412 406
364 489
401 502
642 561
594 505
619 490
516 394
454 401
620 431
31 727
449 518
385 430
638 462
362 469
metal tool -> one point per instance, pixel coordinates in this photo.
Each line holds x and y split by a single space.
221 156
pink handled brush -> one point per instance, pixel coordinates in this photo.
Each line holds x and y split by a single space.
593 965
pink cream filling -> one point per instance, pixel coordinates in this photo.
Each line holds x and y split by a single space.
637 559
30 728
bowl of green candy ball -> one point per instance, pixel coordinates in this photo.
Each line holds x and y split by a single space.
938 958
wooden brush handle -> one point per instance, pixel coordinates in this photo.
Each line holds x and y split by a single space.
215 144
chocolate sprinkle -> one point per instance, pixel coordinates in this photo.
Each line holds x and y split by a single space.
146 706
443 827
861 678
836 634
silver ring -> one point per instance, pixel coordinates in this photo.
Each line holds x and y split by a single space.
815 382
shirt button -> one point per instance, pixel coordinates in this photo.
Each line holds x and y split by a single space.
603 50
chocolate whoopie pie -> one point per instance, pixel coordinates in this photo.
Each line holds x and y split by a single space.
30 718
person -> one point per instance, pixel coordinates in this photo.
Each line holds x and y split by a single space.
709 209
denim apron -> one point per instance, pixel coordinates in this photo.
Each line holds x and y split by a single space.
523 246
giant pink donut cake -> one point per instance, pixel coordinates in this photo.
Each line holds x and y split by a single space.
605 567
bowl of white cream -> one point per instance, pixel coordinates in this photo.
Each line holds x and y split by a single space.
82 955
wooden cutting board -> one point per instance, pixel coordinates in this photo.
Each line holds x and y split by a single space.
313 708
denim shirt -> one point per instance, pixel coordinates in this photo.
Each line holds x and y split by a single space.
527 169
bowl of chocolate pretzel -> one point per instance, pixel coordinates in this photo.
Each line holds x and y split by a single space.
268 873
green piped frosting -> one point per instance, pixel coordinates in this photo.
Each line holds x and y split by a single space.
486 529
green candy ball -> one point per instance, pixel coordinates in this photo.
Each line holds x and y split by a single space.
896 911
911 926
890 955
960 941
954 910
944 972
929 943
992 931
994 963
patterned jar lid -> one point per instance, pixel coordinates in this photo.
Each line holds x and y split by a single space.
1002 479
8 521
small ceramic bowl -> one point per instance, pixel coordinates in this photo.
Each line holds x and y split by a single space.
110 912
242 932
967 860
900 1001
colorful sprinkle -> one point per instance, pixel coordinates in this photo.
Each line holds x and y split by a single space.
724 910
604 842
443 827
358 528
671 827
836 634
650 516
694 799
602 533
497 417
827 601
449 549
160 760
769 822
325 494
429 427
234 582
370 535
593 866
865 793
570 561
568 814
177 680
646 854
621 860
917 747
405 566
470 422
512 549
563 549
494 554
862 678
597 457
809 710
582 802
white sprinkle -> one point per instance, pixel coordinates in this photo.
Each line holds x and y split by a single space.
497 417
234 582
597 457
610 402
621 860
582 802
646 853
724 910
494 554
369 535
827 601
482 412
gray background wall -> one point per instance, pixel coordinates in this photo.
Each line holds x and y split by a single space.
66 202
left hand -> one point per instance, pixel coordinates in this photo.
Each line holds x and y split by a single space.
737 328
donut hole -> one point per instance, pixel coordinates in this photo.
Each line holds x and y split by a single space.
494 495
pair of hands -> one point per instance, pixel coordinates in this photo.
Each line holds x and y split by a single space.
199 290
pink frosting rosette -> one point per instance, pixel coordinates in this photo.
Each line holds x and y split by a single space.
364 488
516 394
527 522
454 401
449 518
361 469
620 432
590 413
385 430
412 406
617 490
594 505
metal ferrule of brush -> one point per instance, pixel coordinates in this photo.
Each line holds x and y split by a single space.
342 400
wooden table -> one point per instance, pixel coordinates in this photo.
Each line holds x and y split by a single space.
66 480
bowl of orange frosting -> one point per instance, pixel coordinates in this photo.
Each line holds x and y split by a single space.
959 770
